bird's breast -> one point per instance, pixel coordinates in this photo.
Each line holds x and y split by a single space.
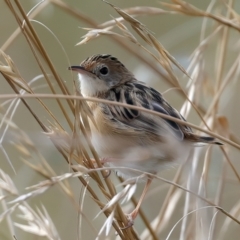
106 138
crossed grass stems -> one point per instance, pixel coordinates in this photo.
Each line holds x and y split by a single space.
75 151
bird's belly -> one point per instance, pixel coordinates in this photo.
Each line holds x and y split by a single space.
129 150
131 156
112 146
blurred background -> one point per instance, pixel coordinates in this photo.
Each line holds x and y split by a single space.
59 32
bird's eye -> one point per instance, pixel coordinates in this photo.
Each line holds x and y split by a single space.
104 70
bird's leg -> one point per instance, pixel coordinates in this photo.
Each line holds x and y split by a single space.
134 213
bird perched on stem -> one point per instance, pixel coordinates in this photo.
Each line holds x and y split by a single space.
126 137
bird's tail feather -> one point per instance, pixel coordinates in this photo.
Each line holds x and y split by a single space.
208 140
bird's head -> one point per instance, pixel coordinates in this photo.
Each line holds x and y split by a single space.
99 73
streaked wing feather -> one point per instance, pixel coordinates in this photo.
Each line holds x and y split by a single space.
137 94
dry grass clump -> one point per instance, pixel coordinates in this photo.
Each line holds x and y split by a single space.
195 202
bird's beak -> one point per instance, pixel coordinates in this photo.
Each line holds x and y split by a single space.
80 70
77 68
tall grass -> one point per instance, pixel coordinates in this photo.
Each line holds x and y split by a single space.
74 196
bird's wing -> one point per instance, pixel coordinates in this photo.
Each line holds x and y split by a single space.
138 94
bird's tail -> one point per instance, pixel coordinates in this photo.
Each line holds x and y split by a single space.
207 140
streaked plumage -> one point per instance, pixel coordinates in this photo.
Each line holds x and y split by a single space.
127 137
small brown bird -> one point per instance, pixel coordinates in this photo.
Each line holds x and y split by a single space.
127 137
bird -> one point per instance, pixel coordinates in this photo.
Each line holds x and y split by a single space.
132 138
